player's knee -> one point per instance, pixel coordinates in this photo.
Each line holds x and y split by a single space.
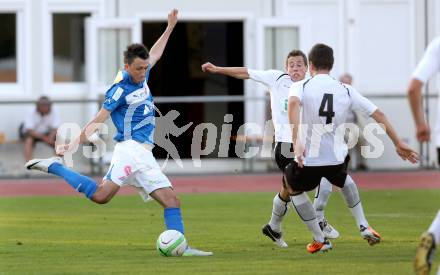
169 200
173 202
284 194
101 198
324 194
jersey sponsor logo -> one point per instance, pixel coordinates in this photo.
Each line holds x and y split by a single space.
284 103
137 96
284 83
117 94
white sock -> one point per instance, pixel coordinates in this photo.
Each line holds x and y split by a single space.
307 213
279 210
322 195
351 196
434 228
358 214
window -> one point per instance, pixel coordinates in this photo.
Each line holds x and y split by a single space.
190 45
8 54
68 47
111 46
278 42
197 113
178 73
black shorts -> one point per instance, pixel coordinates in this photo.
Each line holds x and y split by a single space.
281 159
309 177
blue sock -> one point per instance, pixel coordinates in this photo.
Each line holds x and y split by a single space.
79 182
173 219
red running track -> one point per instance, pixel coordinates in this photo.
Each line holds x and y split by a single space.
230 183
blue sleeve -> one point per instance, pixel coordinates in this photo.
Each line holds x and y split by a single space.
113 98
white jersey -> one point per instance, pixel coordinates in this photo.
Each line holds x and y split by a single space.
42 124
430 62
279 84
326 103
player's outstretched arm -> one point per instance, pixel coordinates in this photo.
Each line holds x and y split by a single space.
90 127
158 47
402 149
235 72
423 132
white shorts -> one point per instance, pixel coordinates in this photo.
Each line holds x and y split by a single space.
133 164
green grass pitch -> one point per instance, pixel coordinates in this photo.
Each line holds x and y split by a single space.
70 235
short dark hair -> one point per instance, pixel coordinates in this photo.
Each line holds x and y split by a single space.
297 53
133 51
321 56
44 100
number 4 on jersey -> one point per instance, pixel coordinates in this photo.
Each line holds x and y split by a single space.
327 103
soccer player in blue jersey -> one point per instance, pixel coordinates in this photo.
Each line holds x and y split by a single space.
130 104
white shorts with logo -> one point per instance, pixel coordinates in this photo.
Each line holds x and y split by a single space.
133 164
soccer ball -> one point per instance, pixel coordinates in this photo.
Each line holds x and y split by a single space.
171 243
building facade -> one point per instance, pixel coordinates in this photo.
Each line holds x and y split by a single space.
71 50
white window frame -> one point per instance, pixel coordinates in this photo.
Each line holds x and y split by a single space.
19 90
245 17
63 90
93 25
302 24
254 109
248 46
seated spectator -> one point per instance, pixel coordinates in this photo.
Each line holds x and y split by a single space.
39 125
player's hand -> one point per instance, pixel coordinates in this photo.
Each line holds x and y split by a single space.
172 18
299 152
406 153
60 150
208 67
423 132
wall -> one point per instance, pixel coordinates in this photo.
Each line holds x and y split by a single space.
378 41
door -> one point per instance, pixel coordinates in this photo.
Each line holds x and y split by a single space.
275 38
106 40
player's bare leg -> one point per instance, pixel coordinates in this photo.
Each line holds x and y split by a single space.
105 192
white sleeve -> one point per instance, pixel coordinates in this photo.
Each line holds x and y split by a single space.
55 119
361 103
297 89
430 62
29 120
267 78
